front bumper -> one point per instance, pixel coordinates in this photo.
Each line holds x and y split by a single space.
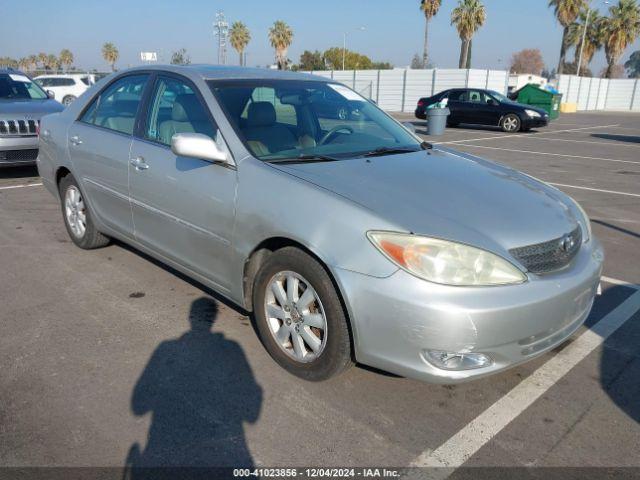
395 319
16 151
529 122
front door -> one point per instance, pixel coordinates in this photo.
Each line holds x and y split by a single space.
99 146
183 208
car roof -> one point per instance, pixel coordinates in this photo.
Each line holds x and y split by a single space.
225 72
62 75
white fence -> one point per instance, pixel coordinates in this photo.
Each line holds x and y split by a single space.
399 90
600 93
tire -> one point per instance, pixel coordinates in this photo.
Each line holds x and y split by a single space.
66 101
452 124
332 353
510 123
83 233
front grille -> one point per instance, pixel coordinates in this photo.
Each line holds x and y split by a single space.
17 127
18 155
550 256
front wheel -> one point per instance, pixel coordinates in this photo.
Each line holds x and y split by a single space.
510 123
299 316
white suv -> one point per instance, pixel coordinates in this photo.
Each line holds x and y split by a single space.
66 88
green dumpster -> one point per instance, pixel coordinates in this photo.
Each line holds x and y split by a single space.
533 95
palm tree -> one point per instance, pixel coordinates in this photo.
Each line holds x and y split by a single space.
239 36
281 36
42 59
33 62
566 12
430 9
468 17
66 58
621 28
593 38
52 62
110 54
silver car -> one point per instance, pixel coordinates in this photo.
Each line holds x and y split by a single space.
350 239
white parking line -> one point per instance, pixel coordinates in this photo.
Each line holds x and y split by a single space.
554 154
609 144
594 189
515 135
615 281
459 448
21 186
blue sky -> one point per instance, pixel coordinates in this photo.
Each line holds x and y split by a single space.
394 29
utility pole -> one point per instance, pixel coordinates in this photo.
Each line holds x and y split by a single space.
584 36
344 44
221 30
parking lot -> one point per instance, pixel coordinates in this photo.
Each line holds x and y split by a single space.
104 356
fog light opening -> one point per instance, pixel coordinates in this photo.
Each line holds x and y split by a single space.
457 360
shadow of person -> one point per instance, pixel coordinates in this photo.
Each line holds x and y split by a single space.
199 390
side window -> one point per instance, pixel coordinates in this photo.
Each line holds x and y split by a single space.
284 113
175 108
116 106
44 82
476 97
66 82
458 96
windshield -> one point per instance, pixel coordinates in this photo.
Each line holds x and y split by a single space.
18 86
499 97
289 119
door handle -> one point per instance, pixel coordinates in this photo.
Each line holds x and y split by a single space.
139 163
75 140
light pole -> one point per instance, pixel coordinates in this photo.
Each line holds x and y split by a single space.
344 43
584 36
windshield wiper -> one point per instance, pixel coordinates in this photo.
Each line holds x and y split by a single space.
305 158
378 152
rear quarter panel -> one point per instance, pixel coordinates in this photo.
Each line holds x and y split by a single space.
53 149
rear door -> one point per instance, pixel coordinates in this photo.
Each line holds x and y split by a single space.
99 147
183 208
458 106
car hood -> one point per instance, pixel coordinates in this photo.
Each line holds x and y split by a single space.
449 195
32 108
523 106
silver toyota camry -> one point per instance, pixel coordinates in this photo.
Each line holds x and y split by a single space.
347 236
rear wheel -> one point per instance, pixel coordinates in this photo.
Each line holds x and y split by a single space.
299 316
66 101
510 123
77 218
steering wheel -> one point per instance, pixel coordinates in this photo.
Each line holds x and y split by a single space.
333 131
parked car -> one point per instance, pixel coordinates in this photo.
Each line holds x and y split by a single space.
67 87
349 240
22 104
485 107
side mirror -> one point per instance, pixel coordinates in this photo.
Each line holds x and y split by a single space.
50 94
197 145
409 126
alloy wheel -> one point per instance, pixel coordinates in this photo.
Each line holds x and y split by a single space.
74 210
510 124
295 316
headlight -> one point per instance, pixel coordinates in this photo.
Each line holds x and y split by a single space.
585 223
532 113
445 262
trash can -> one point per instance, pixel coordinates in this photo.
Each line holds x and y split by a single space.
533 95
437 120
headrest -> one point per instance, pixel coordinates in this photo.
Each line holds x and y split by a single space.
261 114
187 108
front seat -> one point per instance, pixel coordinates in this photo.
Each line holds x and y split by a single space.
262 130
187 116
